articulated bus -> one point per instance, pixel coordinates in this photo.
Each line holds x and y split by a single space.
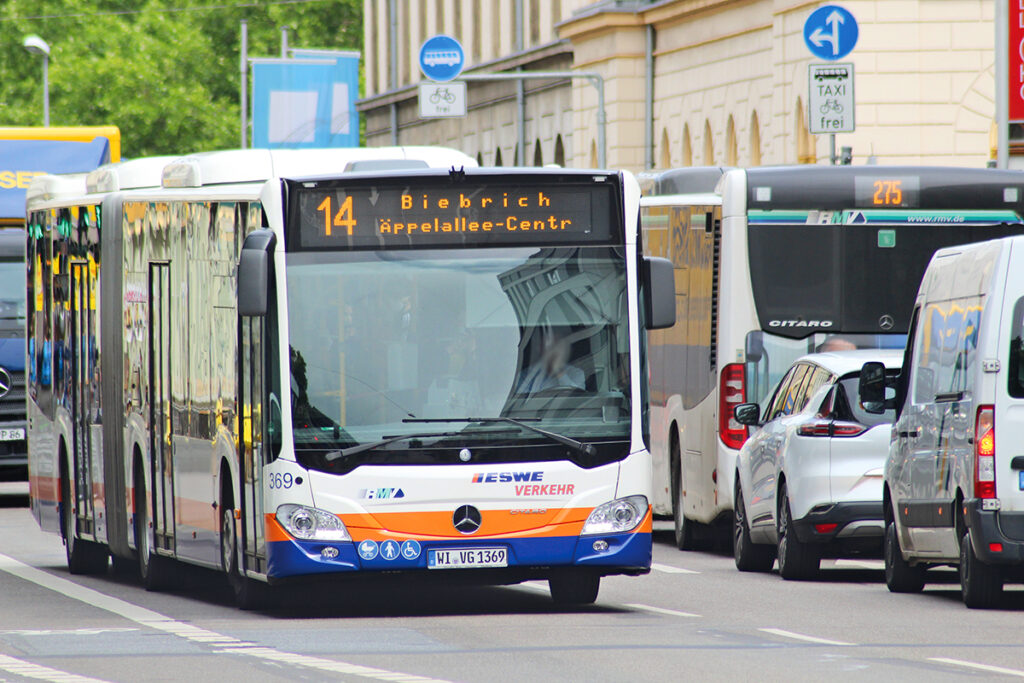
324 363
776 262
27 152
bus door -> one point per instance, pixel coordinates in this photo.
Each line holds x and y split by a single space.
81 370
161 448
251 444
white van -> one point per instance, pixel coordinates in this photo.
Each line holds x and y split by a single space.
953 492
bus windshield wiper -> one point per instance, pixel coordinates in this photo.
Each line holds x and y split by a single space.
370 445
578 446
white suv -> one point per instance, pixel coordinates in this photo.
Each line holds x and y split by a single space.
809 481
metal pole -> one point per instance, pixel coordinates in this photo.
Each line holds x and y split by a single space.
832 148
243 68
46 90
596 79
393 56
1002 83
284 42
649 98
520 90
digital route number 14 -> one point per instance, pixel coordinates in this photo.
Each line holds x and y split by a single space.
342 219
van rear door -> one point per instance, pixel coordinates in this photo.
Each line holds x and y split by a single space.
1009 414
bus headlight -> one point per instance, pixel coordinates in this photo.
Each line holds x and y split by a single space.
311 524
617 516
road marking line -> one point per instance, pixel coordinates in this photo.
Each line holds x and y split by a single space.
669 569
800 636
861 564
536 586
980 667
146 617
661 610
20 667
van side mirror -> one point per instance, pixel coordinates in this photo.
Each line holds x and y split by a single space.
254 273
659 281
747 414
871 387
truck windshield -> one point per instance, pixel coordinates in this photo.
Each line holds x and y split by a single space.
380 341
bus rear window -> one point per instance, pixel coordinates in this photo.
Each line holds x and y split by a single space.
852 278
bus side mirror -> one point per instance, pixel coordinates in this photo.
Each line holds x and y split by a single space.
659 283
254 273
754 346
871 387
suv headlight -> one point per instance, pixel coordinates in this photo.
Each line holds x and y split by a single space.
617 516
311 524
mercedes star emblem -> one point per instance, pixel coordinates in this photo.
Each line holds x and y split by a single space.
5 382
466 519
886 322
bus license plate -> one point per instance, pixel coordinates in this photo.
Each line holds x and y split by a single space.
12 434
463 558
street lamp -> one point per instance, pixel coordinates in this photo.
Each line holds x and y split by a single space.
38 46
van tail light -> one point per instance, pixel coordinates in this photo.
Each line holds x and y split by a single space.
731 393
830 428
985 453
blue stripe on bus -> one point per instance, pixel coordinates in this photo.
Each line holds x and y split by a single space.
295 558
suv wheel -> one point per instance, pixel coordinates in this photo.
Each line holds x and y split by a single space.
749 556
797 560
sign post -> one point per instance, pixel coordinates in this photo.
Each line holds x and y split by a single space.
830 32
441 60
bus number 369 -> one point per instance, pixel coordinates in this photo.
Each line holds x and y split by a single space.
281 481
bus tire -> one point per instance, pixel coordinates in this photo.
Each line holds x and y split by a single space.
685 531
574 587
84 557
749 556
900 576
981 585
797 560
249 594
156 572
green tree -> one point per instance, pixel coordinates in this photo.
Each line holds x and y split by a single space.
166 72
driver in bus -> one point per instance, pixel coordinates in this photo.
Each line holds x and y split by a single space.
553 370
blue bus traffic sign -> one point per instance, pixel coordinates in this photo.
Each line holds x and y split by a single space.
830 32
441 58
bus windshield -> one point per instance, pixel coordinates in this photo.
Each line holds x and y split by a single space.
382 341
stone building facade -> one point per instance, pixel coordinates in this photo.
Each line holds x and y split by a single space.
687 82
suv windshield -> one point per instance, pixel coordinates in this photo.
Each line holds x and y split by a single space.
381 341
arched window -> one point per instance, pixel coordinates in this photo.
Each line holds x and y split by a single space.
755 140
497 157
559 151
593 154
687 149
805 153
665 161
709 145
479 158
516 160
730 142
538 154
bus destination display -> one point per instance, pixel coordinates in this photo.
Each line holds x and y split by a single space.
331 216
878 192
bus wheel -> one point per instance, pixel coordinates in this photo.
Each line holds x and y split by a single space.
249 593
797 560
574 588
749 556
84 557
155 571
685 530
980 584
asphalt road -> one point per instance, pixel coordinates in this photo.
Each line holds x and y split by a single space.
693 618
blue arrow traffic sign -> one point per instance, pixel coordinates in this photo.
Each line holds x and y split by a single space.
441 58
830 32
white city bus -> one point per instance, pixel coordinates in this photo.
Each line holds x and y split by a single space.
774 263
288 364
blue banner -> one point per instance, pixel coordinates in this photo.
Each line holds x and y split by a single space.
23 160
307 101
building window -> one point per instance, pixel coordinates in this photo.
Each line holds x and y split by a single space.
497 157
535 22
666 154
593 154
805 153
687 149
559 151
538 154
709 145
730 142
755 140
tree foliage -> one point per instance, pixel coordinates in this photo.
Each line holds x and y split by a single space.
166 72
